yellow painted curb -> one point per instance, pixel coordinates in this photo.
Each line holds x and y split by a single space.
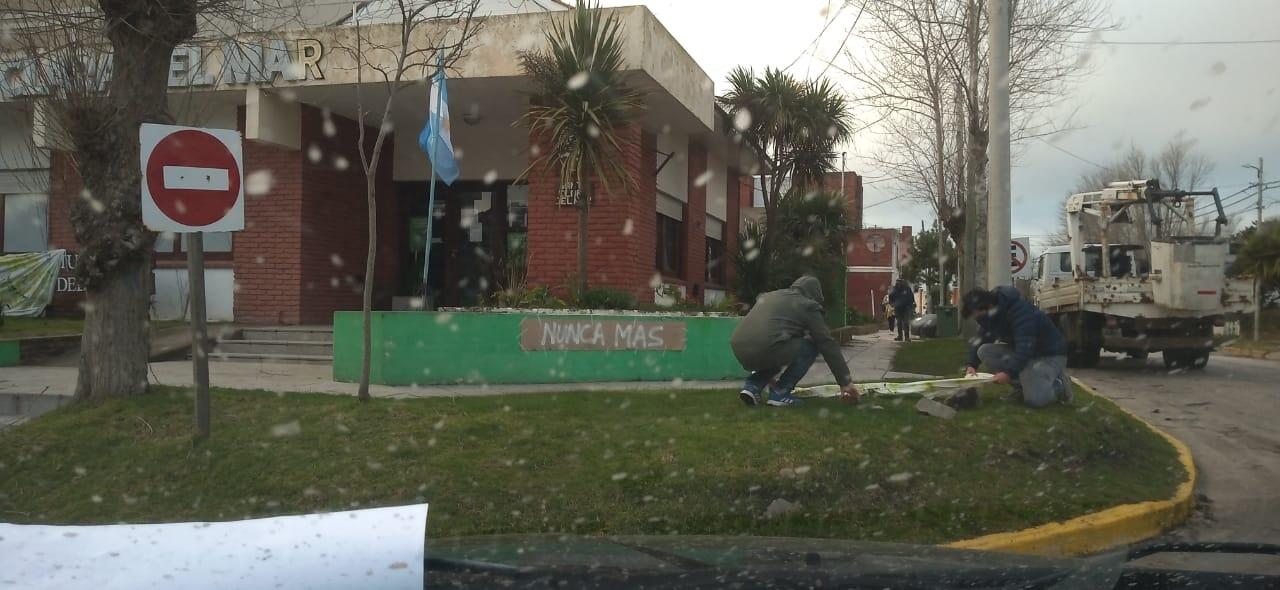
1091 533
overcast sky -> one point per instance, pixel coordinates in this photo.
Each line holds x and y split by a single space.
1139 93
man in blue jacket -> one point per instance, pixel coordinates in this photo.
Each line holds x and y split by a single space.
1020 344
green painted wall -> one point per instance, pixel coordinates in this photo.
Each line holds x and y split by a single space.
477 347
10 353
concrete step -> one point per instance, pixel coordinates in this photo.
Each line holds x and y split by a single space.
30 404
288 333
304 359
304 347
10 421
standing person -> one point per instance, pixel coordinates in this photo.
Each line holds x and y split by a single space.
787 328
888 311
1018 343
904 302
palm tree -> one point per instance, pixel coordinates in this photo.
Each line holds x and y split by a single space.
792 126
581 108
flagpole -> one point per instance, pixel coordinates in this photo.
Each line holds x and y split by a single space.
431 199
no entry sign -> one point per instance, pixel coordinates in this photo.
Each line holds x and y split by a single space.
191 179
1019 254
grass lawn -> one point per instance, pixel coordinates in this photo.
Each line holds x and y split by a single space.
935 356
37 327
626 463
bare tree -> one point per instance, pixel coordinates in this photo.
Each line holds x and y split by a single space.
1179 166
421 35
925 52
95 71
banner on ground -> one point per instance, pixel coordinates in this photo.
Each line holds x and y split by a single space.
27 281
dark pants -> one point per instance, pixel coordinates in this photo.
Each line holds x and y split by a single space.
796 367
904 322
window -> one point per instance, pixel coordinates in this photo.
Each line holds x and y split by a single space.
26 223
716 262
171 246
670 251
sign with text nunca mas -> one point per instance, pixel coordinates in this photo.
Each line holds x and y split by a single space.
568 333
190 66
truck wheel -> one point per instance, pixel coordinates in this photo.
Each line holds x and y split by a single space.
1186 359
1084 358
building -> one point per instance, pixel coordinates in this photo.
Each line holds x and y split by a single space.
301 255
876 256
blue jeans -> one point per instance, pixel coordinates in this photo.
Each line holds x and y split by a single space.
807 353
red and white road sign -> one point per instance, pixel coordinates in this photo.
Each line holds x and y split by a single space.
192 179
1019 253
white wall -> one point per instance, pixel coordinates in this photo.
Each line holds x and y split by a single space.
171 294
674 177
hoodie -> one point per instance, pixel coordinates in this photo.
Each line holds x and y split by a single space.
771 334
1016 321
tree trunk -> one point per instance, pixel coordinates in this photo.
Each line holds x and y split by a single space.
116 345
115 248
371 253
584 211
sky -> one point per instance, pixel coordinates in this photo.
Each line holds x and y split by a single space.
1145 94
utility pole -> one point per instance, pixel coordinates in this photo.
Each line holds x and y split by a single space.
999 234
1257 284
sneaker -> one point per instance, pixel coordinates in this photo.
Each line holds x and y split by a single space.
782 400
749 397
1066 393
1014 395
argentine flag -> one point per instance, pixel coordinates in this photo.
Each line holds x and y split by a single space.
436 138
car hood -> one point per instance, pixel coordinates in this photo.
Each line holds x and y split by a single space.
691 552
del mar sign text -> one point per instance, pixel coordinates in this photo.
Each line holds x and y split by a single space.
596 334
238 62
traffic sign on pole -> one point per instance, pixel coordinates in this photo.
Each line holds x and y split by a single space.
192 179
1019 255
193 182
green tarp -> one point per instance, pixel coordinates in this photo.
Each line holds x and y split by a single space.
27 281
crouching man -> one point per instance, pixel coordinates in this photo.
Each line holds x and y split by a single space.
1020 344
787 329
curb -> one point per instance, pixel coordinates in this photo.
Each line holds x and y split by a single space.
1092 533
1247 353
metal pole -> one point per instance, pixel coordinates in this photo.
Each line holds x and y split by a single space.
1257 284
844 276
999 234
431 204
199 331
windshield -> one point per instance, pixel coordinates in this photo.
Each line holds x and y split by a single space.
727 289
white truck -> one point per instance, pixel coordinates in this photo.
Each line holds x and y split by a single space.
1161 286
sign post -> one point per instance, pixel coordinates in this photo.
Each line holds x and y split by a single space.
192 183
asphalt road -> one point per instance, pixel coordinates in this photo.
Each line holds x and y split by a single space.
1229 415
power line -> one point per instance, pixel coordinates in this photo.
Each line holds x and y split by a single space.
1177 42
1063 150
817 38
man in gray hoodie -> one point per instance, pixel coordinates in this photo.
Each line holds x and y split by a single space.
786 328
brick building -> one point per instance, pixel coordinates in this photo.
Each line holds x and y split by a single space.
301 255
876 256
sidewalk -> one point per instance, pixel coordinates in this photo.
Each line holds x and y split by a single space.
869 359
